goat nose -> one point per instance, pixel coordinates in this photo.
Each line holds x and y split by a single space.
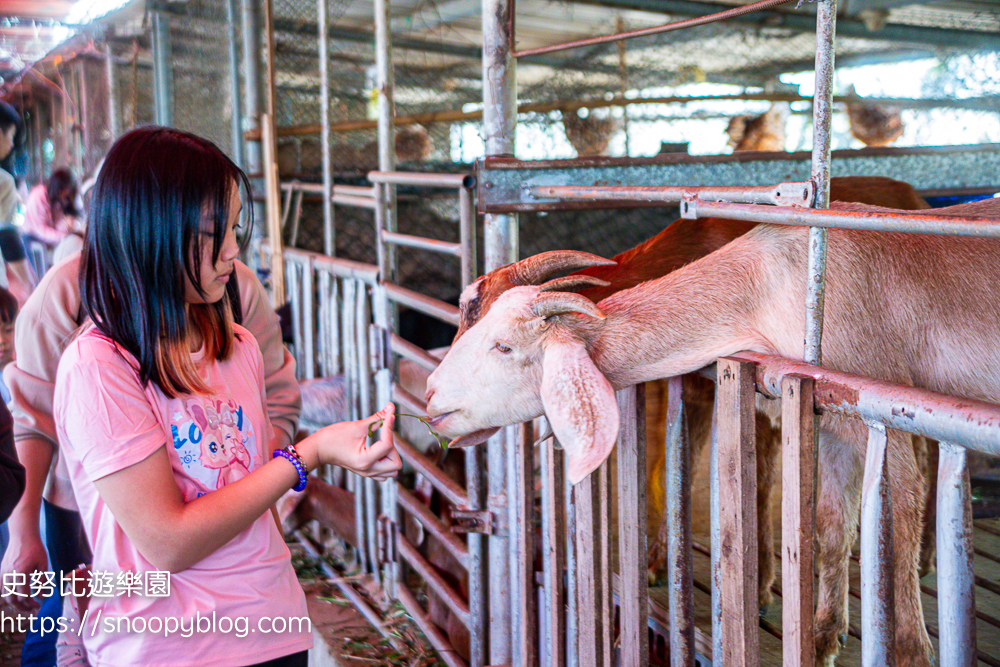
428 395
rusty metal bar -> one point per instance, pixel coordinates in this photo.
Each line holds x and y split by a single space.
465 181
912 223
424 466
798 515
424 304
678 511
955 572
553 553
606 610
656 30
943 418
788 194
878 622
632 511
738 512
433 524
447 594
434 635
521 529
445 247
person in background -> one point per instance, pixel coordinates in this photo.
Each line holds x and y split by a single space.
8 314
45 325
51 211
18 276
11 471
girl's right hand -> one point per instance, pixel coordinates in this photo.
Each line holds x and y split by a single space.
345 444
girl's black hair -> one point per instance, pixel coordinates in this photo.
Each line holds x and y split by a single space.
8 307
10 116
144 236
62 180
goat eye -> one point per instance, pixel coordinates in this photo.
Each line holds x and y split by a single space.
503 349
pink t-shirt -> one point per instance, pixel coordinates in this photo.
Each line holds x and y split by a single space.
107 421
38 217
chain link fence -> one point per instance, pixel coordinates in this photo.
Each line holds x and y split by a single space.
572 101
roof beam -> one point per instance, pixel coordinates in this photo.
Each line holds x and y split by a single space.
846 27
42 10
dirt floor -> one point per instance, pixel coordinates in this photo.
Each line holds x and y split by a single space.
10 644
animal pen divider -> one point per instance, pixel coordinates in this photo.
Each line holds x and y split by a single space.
542 621
355 338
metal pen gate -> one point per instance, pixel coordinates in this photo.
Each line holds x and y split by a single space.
346 326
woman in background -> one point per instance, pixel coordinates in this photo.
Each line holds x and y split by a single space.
51 211
21 279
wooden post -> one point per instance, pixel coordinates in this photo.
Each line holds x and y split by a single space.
273 208
798 515
737 513
633 593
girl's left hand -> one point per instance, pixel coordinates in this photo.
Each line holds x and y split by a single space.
345 444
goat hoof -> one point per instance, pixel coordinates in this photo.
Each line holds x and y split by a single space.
843 640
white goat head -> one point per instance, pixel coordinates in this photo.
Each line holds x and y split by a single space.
527 356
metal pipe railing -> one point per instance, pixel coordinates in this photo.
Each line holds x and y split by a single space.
426 305
974 424
912 223
414 353
444 247
433 579
433 525
782 194
434 635
454 493
463 181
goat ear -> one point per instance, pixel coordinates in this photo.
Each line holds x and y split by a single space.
580 405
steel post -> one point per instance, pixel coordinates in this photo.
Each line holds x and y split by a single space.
878 627
826 24
329 242
163 76
955 573
500 233
236 114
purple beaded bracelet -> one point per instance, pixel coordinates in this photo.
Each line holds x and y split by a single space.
293 457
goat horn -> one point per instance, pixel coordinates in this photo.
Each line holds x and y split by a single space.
549 304
572 283
537 268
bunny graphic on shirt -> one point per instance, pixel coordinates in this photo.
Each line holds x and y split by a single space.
223 444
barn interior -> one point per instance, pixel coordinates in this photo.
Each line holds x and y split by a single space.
916 97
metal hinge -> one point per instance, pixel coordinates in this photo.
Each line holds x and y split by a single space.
385 540
379 346
472 521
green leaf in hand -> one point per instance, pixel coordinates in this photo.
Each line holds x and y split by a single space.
376 425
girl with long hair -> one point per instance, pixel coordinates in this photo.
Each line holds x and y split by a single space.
159 407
